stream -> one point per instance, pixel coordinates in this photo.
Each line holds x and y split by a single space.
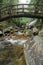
18 41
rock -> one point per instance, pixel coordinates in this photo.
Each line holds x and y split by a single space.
35 31
1 32
28 32
1 36
41 33
6 30
11 54
19 33
33 51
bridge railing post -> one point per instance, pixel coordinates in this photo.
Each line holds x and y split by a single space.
17 9
9 10
0 13
36 9
23 8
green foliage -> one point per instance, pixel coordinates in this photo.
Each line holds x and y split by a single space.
1 1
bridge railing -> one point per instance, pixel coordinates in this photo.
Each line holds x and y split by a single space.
21 9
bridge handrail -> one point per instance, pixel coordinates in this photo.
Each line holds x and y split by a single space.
22 5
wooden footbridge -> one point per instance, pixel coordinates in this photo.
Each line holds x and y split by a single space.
21 10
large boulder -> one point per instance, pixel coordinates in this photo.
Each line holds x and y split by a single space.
33 51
